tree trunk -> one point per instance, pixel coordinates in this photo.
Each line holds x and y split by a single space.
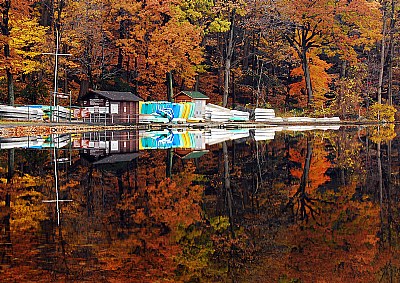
302 194
227 73
307 165
228 60
128 69
389 193
170 88
5 30
259 83
135 76
382 61
121 36
343 68
380 181
10 87
83 88
197 82
391 50
307 77
233 91
65 82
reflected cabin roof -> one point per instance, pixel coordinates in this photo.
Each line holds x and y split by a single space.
115 95
117 158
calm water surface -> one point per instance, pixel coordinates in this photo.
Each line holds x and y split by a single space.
275 205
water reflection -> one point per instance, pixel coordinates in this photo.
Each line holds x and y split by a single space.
265 205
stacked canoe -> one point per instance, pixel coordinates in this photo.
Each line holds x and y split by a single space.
217 113
239 116
29 113
164 112
266 115
303 120
300 120
59 113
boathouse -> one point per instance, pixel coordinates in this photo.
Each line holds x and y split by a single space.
197 97
110 107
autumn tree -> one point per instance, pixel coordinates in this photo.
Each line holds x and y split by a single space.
309 29
357 28
21 41
320 24
267 57
159 39
85 30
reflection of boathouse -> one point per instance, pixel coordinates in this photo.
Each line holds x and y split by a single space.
110 107
114 156
113 146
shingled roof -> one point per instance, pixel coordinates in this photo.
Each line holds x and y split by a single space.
116 95
194 94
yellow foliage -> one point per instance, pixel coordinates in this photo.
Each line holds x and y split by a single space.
383 134
220 223
28 211
27 38
381 112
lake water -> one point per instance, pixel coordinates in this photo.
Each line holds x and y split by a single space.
287 204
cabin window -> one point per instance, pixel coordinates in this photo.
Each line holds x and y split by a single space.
114 108
124 109
114 146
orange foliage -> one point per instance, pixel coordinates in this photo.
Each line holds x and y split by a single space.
160 41
320 81
158 213
342 246
318 167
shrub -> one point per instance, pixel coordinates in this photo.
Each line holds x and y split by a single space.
381 112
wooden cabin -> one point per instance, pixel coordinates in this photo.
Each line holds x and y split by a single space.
197 97
110 107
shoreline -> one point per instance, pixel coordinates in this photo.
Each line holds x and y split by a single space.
45 129
19 129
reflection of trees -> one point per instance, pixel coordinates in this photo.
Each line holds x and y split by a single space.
22 214
131 222
305 198
227 187
384 189
352 215
303 201
6 244
6 212
339 242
